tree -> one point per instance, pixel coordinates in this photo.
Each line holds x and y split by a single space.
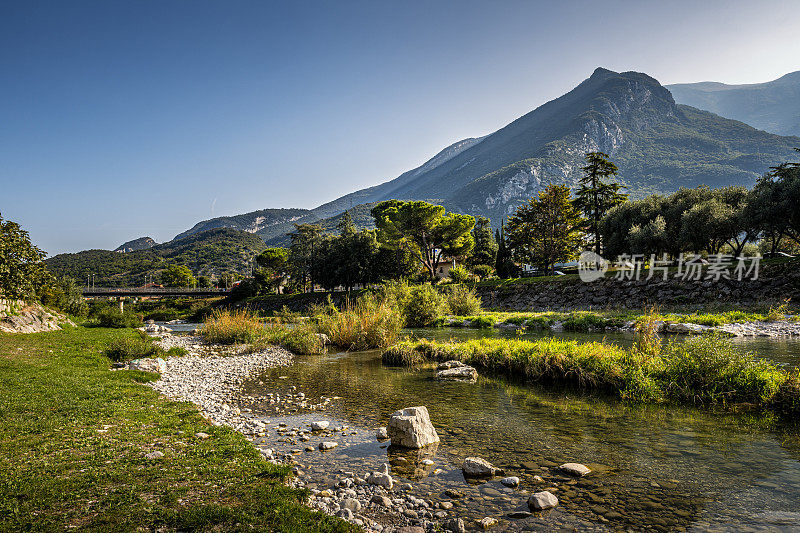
204 282
485 251
273 264
424 230
22 273
547 229
306 240
347 259
178 276
775 200
504 263
595 197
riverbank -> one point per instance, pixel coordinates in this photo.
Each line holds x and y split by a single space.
214 384
83 447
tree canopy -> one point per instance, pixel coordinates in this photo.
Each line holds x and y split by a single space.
595 197
547 229
424 230
22 273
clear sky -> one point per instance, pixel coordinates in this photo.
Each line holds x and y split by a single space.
120 119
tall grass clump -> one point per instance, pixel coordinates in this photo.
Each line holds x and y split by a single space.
129 348
371 322
301 339
232 327
462 301
109 316
709 369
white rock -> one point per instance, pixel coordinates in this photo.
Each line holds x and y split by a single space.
154 455
684 328
540 501
350 503
149 365
449 364
475 466
459 373
512 481
411 428
574 469
328 445
380 479
319 425
381 434
488 522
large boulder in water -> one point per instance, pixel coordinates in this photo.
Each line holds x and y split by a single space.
411 428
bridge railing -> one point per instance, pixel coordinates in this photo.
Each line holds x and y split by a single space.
153 290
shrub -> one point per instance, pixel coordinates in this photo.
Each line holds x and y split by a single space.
482 271
779 312
462 301
129 348
370 323
424 306
458 274
584 321
109 316
232 327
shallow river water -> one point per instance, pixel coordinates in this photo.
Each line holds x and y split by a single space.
654 467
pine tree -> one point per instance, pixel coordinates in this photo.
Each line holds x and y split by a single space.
594 198
504 264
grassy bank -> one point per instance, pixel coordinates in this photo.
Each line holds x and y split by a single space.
702 370
73 440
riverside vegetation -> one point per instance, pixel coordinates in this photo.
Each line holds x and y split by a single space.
702 370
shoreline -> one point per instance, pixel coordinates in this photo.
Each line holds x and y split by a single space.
213 383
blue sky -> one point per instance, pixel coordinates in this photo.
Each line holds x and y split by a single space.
124 119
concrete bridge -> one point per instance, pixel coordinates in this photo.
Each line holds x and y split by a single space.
126 292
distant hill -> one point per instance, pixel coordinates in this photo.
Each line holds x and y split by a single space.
142 243
267 223
360 215
773 106
209 252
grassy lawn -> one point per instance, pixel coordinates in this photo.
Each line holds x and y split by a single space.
73 439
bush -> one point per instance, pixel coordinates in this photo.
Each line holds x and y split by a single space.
371 322
424 306
129 348
65 296
462 301
458 274
483 271
232 327
109 316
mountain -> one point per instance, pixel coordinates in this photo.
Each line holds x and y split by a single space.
658 145
209 252
773 106
266 223
142 243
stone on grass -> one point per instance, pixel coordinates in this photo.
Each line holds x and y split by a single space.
157 365
201 435
574 469
477 467
411 428
154 455
540 501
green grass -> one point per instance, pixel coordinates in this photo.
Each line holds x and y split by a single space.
702 370
73 438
